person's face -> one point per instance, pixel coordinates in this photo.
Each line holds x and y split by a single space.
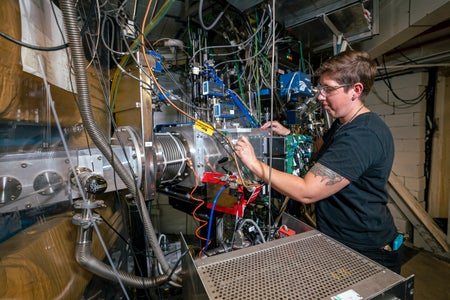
334 98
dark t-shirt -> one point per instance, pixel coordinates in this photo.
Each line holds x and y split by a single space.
362 151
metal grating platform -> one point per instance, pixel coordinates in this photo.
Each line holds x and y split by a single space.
308 266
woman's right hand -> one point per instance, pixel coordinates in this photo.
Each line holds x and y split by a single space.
246 153
276 127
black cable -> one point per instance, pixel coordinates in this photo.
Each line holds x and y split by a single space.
20 43
178 262
404 55
132 250
408 102
88 18
113 229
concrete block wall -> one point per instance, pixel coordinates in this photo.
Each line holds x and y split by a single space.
407 124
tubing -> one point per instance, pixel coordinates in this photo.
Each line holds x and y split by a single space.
84 105
85 258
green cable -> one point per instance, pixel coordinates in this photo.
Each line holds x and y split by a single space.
301 57
241 88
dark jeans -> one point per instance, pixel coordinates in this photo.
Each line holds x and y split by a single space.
389 259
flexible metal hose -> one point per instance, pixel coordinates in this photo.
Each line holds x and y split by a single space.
84 105
86 259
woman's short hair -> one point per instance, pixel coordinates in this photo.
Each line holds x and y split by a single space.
350 67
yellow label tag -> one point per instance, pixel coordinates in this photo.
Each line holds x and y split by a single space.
204 127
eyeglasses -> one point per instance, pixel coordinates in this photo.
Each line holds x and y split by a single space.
326 90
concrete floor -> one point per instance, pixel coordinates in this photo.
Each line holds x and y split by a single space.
432 275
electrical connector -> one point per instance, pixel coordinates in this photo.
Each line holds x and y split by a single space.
284 231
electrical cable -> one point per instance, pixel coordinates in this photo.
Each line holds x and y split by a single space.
33 47
145 72
240 105
240 60
211 216
244 221
155 82
178 261
239 46
104 21
97 41
233 96
159 268
127 243
303 69
148 28
214 23
409 102
170 74
201 202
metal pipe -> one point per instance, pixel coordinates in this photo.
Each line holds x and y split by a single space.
85 258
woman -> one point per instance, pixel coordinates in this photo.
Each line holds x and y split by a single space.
348 181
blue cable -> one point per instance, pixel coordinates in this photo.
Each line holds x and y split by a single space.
237 102
213 74
242 108
212 213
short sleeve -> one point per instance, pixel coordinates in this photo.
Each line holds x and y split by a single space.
353 150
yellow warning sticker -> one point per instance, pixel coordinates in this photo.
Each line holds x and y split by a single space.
204 127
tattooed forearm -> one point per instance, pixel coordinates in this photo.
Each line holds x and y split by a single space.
328 176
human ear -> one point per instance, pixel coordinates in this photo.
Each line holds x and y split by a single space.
357 90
